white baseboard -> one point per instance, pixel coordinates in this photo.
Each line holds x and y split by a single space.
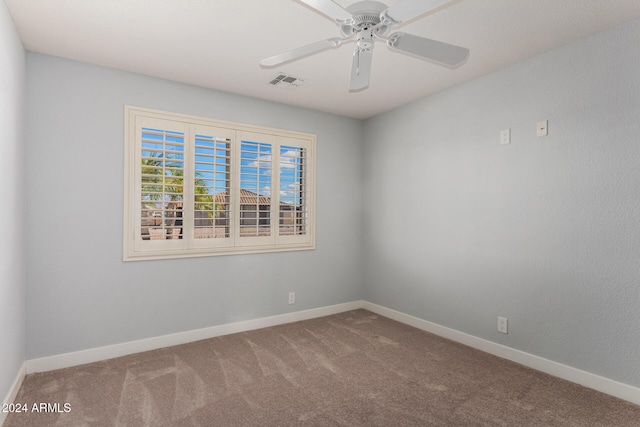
596 382
108 352
587 379
13 391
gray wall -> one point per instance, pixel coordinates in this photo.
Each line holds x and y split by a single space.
545 231
82 295
12 248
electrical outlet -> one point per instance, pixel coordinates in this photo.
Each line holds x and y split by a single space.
292 297
502 325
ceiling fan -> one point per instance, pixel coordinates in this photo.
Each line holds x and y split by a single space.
366 21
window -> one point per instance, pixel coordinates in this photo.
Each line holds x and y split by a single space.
199 187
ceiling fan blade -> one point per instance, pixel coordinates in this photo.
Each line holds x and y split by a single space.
330 9
440 53
301 52
405 10
360 69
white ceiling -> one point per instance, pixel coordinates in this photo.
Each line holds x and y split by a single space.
218 43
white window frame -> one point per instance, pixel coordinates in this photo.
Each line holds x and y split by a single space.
135 248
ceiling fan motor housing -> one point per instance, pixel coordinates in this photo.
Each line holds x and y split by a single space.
365 22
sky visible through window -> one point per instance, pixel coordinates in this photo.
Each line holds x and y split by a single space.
255 167
291 174
212 164
163 156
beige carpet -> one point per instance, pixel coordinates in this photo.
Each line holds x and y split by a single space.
350 369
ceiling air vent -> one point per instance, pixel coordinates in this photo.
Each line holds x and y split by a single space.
285 81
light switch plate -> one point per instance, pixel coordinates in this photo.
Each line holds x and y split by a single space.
505 136
542 128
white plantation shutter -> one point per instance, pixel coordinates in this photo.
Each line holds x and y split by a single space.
212 196
196 187
255 204
295 190
160 179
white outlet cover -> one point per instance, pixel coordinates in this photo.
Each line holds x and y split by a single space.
502 325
